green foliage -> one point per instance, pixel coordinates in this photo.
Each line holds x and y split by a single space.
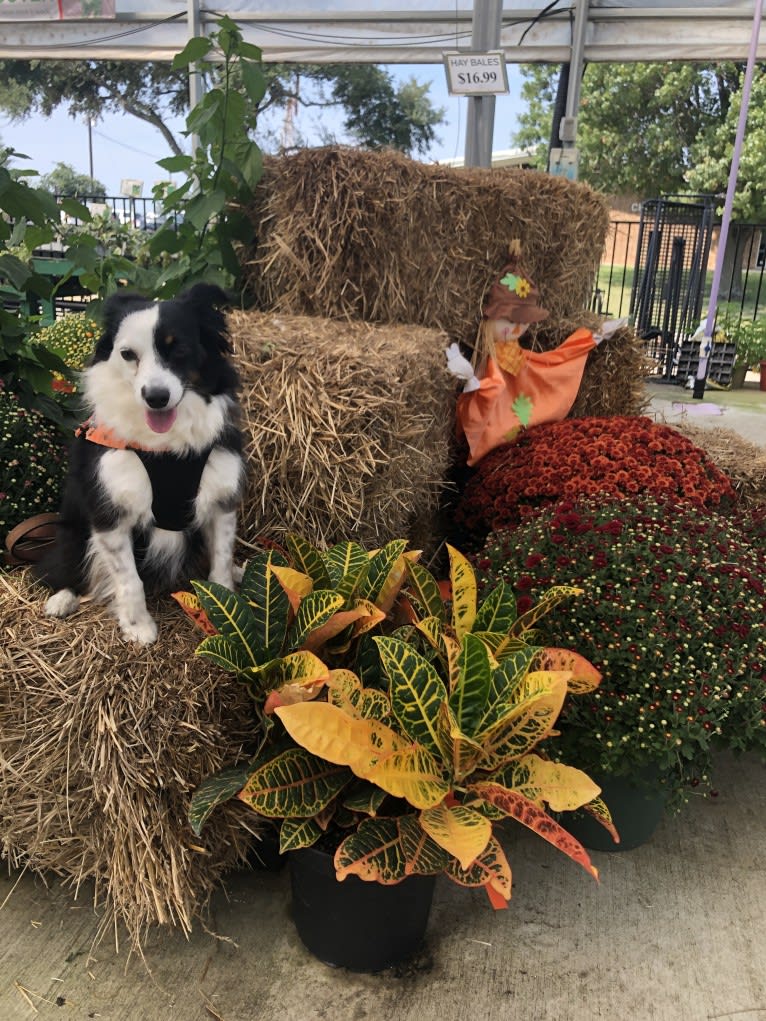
656 128
64 180
32 463
748 334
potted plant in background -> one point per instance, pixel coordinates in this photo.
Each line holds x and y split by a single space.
674 618
408 782
749 335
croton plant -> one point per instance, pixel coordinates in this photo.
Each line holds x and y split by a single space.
408 745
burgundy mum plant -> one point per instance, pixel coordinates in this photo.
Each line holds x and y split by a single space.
605 458
673 614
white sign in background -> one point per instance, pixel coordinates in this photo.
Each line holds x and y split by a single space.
476 74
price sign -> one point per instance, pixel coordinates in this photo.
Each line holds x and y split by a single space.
476 74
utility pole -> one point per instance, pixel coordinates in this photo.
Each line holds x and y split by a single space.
485 35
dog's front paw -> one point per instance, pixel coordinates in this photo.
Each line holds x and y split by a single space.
62 603
143 631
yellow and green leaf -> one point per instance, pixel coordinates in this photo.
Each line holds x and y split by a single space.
552 597
599 811
563 788
214 790
295 584
346 564
226 654
233 618
463 583
423 855
413 774
462 832
373 853
505 684
415 689
497 612
315 610
470 693
294 783
526 812
344 690
385 575
585 677
267 599
307 559
490 869
527 721
424 590
297 833
460 754
364 797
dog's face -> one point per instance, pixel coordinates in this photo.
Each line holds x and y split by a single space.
158 360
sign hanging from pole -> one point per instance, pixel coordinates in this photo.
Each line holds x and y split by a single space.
471 73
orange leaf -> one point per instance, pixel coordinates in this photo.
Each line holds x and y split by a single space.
585 677
191 605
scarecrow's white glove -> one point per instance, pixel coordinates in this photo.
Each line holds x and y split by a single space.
461 367
608 328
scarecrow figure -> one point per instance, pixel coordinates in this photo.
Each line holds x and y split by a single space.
514 388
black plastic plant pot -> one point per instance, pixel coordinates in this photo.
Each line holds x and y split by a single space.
355 924
636 810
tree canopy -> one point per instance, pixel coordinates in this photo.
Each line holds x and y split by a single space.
377 111
64 180
653 129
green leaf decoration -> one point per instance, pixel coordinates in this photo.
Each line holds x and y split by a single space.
225 653
374 853
416 692
297 833
425 591
552 597
233 619
295 783
382 565
346 562
522 407
469 696
214 790
268 600
510 280
423 856
315 610
308 559
498 611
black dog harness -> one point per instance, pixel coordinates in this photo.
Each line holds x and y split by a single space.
175 478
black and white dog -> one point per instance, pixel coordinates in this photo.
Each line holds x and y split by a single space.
156 474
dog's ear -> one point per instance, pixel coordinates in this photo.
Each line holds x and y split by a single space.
204 296
116 307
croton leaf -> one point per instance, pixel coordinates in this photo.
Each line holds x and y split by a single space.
373 853
364 797
294 783
507 679
314 611
585 677
346 564
463 582
459 753
326 730
517 807
228 655
344 690
336 625
490 869
308 559
297 833
214 790
529 719
268 600
563 788
425 590
599 811
412 774
497 612
469 695
415 689
550 598
462 832
385 574
296 584
233 618
423 855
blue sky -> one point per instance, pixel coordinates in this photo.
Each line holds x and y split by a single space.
124 147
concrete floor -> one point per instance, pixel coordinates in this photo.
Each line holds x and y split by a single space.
675 931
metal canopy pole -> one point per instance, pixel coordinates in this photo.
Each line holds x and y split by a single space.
568 124
707 342
485 35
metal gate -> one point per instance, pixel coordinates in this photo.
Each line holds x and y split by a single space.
672 253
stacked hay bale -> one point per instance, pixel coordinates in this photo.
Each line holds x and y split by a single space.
347 428
101 742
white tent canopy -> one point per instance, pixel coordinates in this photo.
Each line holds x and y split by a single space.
350 31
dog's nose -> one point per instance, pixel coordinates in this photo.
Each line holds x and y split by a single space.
156 397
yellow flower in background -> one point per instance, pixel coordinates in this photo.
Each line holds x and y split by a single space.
71 338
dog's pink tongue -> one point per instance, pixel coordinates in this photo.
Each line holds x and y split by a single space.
160 421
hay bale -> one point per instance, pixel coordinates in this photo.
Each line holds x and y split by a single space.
345 233
348 428
101 742
742 461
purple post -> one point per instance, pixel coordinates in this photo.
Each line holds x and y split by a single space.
707 341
